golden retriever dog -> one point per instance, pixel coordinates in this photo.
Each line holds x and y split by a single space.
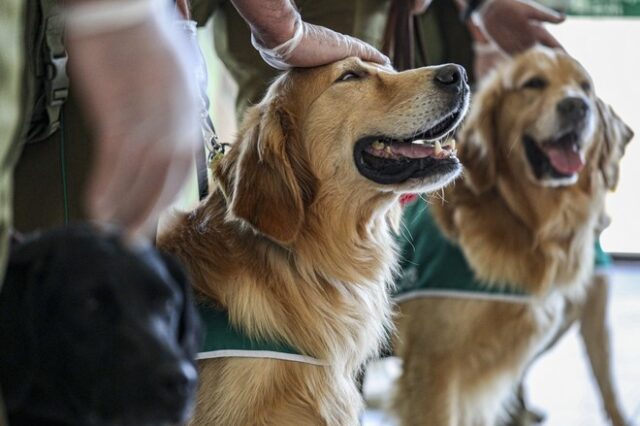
540 152
295 242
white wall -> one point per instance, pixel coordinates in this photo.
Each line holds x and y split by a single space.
610 51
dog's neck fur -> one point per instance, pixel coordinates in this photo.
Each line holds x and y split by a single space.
342 281
557 225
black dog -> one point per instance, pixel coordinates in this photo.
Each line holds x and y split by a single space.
95 333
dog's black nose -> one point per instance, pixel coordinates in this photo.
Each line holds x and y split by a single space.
177 382
573 108
451 77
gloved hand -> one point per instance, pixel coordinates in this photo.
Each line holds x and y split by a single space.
134 82
313 45
516 25
284 40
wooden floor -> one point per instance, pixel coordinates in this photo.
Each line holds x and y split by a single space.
560 383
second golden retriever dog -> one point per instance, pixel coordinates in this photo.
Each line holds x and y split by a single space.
295 242
540 151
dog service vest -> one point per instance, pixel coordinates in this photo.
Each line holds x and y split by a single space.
224 340
433 266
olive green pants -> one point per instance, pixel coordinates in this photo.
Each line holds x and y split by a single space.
11 65
50 175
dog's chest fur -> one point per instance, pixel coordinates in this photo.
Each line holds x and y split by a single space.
327 297
337 312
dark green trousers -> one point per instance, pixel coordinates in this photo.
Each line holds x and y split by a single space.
50 176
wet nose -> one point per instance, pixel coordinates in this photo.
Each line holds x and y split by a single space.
177 381
451 77
573 108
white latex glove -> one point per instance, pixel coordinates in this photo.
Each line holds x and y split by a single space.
516 25
134 83
284 40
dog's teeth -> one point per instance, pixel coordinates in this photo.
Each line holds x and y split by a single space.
449 143
387 149
438 147
419 141
378 145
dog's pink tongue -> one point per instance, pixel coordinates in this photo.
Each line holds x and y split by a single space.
567 159
412 150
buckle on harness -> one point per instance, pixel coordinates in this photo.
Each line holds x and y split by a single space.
50 63
57 81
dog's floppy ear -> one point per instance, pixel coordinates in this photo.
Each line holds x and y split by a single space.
266 192
190 328
478 137
615 137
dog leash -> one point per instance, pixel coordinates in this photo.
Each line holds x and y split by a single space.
212 149
403 36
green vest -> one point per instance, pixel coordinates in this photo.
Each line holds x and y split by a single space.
603 259
223 340
433 266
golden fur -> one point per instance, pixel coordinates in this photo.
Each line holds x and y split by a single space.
463 358
297 245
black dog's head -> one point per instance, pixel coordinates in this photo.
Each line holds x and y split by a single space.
96 333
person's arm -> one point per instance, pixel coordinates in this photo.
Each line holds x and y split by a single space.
284 40
516 25
132 74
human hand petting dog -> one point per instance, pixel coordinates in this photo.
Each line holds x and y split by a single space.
131 68
285 41
516 25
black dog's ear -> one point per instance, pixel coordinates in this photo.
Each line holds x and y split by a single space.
19 307
190 329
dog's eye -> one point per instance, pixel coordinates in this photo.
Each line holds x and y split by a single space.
586 86
349 75
537 83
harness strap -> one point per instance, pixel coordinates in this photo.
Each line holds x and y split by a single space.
212 147
403 37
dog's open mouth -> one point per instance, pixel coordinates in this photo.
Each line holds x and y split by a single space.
559 157
388 160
